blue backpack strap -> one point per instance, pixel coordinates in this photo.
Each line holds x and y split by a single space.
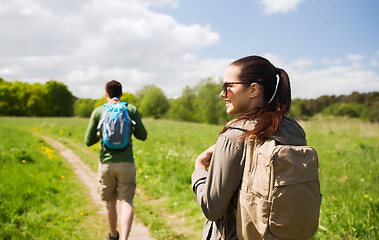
125 107
127 111
99 125
125 104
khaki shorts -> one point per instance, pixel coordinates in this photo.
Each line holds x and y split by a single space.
117 181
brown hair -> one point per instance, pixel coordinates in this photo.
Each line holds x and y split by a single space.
277 95
114 89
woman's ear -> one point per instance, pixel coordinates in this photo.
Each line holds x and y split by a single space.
255 90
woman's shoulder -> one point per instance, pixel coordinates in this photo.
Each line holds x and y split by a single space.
239 126
236 129
290 132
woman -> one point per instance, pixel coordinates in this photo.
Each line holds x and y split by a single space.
260 93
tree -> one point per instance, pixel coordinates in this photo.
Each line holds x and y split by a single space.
297 109
129 98
355 97
5 108
141 93
59 99
182 108
371 113
13 98
84 107
210 107
350 110
36 105
154 103
22 99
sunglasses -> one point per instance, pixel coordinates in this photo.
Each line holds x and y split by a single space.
226 85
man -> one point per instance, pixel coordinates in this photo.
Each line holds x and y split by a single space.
117 171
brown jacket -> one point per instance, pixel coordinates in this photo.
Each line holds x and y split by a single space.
217 189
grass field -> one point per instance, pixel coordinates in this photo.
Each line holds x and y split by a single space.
348 152
40 198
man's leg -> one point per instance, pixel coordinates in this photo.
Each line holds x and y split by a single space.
126 219
112 217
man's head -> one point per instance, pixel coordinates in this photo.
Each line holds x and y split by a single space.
113 89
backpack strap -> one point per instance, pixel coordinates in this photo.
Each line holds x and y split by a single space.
131 121
100 124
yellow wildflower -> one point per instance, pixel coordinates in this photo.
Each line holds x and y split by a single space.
23 161
62 177
366 195
68 219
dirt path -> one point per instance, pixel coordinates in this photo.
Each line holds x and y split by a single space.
89 179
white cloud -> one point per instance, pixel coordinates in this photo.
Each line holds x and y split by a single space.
162 3
303 63
10 70
331 61
86 43
355 59
310 82
333 80
277 6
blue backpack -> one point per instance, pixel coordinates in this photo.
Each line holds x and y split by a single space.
115 125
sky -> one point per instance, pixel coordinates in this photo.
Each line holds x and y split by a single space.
327 47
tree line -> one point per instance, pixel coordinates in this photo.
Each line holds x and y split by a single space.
23 99
201 103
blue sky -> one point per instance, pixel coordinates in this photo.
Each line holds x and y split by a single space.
326 46
322 28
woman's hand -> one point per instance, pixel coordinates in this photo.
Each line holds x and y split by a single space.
204 159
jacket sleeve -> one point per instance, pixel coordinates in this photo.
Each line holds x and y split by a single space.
139 129
214 189
91 136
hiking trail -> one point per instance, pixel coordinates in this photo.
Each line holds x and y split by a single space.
89 179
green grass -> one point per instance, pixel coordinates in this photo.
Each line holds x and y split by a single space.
40 197
348 153
349 172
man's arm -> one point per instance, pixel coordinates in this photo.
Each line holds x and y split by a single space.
91 135
139 129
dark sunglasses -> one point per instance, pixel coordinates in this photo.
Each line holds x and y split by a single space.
226 85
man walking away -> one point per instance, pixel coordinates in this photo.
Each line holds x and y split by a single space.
117 171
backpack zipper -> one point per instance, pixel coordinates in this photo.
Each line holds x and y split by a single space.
272 173
253 167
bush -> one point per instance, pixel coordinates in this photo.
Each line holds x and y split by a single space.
84 107
371 113
345 109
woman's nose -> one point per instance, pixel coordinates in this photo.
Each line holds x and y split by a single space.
222 94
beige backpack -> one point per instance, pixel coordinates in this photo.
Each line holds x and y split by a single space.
280 192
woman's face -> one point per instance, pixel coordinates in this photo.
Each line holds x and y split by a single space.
238 96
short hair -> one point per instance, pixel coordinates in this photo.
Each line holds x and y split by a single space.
114 89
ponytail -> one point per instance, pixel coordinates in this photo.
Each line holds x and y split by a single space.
282 99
